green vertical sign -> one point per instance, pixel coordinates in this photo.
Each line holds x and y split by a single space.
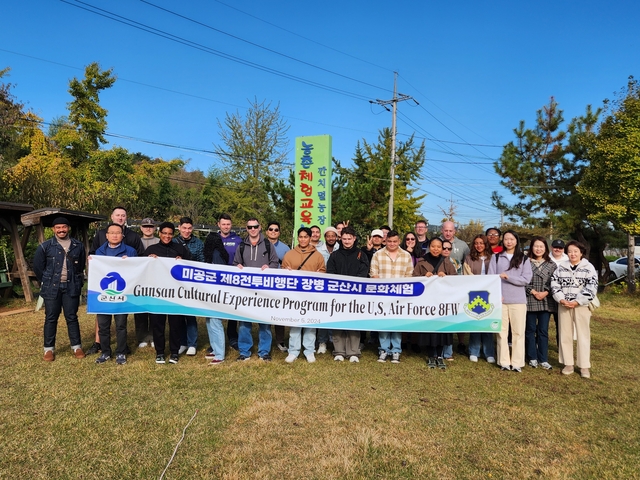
313 181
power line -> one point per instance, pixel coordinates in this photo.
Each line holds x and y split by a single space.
197 46
189 19
303 37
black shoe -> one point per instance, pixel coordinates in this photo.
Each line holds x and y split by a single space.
462 350
431 362
95 348
173 358
242 358
440 363
160 359
266 358
234 345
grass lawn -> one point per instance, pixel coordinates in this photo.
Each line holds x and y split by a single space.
75 419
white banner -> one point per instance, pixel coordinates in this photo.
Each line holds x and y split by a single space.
294 298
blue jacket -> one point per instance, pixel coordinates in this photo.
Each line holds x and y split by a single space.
120 251
47 265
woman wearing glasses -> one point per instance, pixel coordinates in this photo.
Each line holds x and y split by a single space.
477 263
409 243
434 264
514 270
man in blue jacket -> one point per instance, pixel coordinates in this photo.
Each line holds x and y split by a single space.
114 247
59 267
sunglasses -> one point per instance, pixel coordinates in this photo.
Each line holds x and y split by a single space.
271 229
446 248
411 239
252 227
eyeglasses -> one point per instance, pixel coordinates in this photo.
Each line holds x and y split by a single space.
252 227
446 248
271 229
493 235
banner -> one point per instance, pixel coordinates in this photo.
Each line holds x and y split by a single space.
294 298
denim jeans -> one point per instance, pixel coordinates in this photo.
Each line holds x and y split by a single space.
52 309
245 340
216 336
308 340
486 339
536 336
390 342
322 335
447 351
104 332
190 332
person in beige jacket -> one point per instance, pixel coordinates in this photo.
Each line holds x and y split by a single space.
303 256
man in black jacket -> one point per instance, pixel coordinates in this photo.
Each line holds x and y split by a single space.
348 260
167 248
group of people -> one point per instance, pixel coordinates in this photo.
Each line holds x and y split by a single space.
544 282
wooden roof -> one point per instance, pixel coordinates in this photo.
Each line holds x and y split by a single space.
46 216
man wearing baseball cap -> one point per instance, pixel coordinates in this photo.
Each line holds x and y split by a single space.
557 252
374 243
59 267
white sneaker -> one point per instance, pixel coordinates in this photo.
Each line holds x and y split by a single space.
191 351
339 358
183 348
473 358
311 358
382 357
491 360
533 363
290 358
395 358
322 348
546 365
143 345
354 359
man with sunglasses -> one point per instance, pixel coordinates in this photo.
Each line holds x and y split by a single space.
255 251
273 235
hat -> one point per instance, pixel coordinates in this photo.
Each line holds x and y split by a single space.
148 222
377 232
331 229
60 221
557 243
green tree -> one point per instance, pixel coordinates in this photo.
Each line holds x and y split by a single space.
12 124
611 182
254 151
364 188
86 124
542 169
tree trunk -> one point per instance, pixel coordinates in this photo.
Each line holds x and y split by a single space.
631 264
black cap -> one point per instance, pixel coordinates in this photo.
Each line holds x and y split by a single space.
557 243
60 221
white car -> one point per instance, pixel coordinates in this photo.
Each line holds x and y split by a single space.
619 269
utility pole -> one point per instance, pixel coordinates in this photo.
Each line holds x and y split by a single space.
394 104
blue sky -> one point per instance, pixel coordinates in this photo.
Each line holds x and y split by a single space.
476 68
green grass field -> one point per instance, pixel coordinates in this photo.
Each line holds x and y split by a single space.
75 419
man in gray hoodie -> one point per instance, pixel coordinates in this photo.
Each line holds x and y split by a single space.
255 251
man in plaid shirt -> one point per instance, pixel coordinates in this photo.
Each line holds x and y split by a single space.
391 262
